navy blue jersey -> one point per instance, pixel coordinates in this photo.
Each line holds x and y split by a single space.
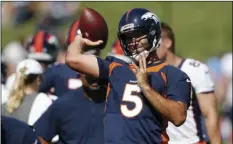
74 118
130 118
16 132
61 78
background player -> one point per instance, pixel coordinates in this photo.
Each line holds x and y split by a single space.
77 117
43 47
60 76
16 132
203 100
137 107
25 103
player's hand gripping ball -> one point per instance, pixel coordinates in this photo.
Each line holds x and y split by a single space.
93 26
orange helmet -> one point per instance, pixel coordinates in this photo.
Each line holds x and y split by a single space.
43 46
116 48
118 52
73 30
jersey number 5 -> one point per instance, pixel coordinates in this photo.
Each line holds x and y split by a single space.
129 96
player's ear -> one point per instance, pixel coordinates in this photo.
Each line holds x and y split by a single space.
38 80
168 43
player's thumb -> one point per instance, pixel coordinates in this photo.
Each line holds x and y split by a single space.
91 43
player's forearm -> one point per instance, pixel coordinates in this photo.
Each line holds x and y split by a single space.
73 52
74 57
209 111
85 64
173 111
212 126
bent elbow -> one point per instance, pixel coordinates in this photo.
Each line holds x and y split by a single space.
71 60
180 120
180 114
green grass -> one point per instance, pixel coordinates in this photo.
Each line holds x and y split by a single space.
202 29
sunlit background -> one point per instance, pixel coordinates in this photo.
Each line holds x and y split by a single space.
203 30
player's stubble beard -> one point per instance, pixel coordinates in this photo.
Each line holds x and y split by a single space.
96 93
143 48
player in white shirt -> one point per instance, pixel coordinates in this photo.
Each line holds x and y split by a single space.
25 103
203 99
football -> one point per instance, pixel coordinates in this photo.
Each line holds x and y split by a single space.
93 26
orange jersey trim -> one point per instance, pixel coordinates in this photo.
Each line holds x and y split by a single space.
156 68
165 137
127 15
111 67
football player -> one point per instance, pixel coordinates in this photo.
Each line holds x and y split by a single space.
77 117
60 77
141 97
16 132
24 102
43 47
203 100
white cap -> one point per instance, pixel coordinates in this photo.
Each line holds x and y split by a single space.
32 67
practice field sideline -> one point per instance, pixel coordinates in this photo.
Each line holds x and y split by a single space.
202 28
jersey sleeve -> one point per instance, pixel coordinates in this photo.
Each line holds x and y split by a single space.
46 126
202 79
178 86
103 68
40 105
47 80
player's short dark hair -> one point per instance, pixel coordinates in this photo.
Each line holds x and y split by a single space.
169 34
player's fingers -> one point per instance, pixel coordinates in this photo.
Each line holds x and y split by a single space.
141 63
135 67
91 43
144 62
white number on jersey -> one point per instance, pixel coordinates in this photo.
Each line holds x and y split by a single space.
128 96
74 83
194 63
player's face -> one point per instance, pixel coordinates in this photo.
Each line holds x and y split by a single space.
94 89
164 47
89 82
38 80
137 42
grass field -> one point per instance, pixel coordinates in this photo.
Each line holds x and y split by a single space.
202 28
